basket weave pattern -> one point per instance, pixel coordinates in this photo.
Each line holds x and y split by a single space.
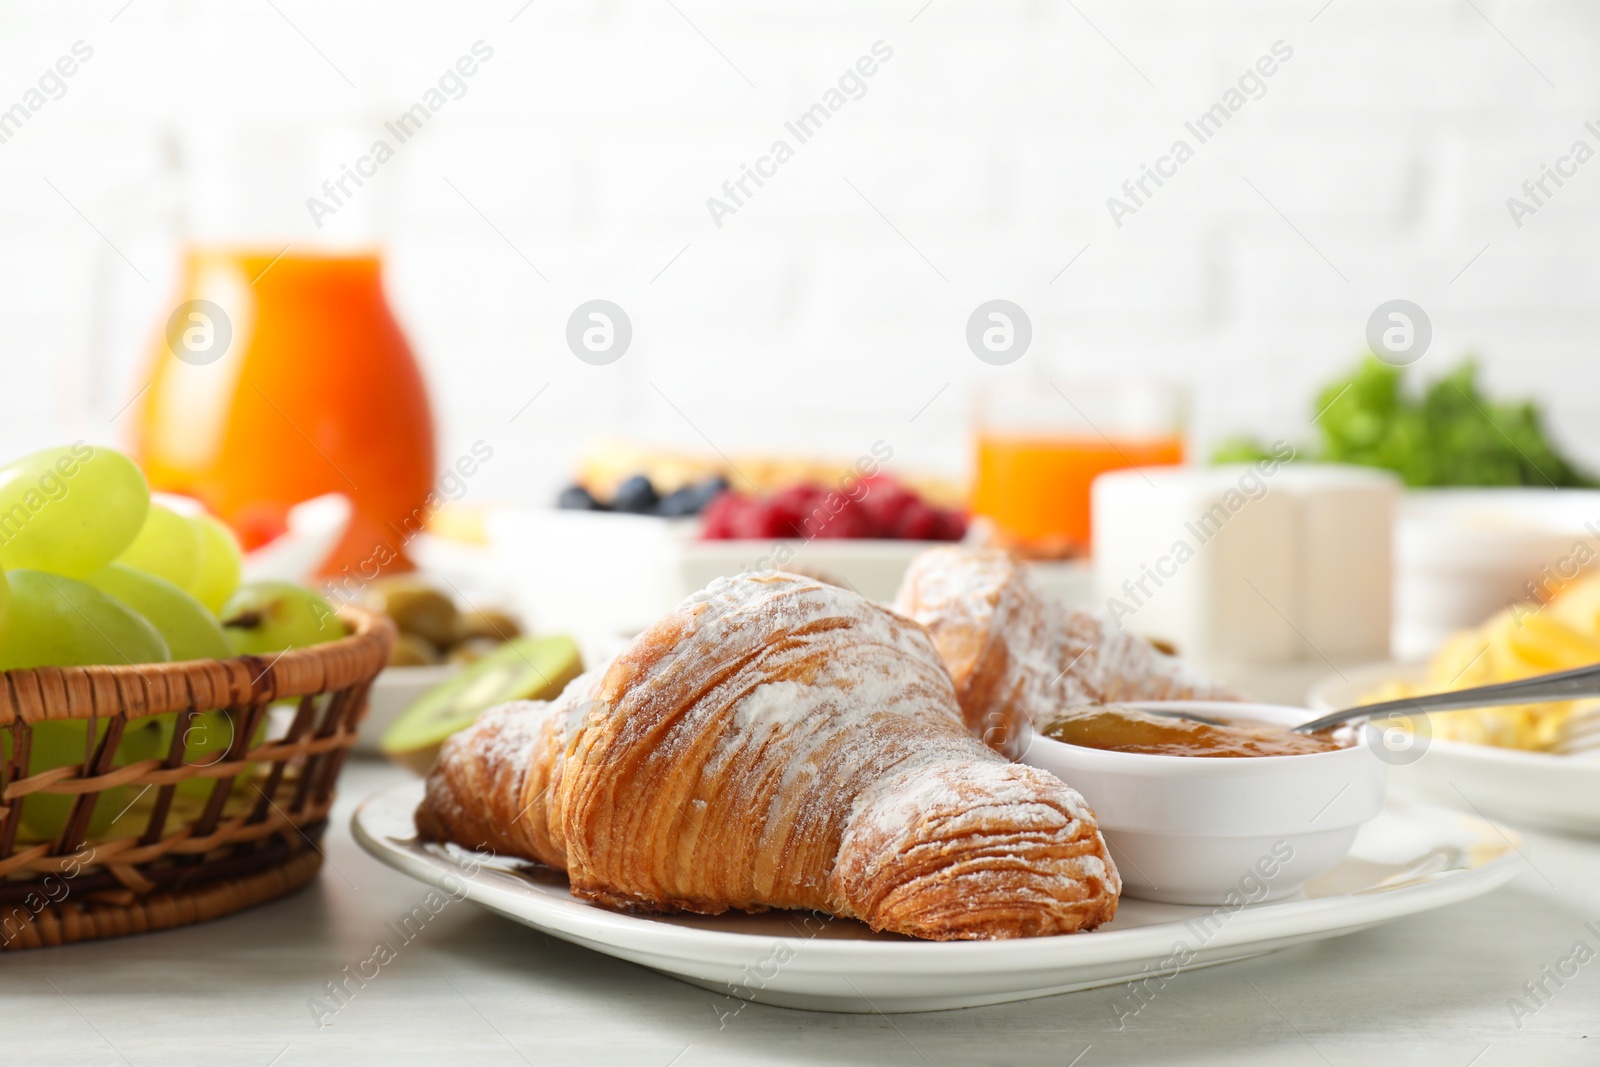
254 835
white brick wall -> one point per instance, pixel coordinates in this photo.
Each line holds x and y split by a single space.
990 140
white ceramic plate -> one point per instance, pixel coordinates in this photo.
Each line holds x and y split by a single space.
1408 860
1535 788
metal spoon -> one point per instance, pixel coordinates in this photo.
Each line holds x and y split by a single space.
1582 734
1540 689
1171 713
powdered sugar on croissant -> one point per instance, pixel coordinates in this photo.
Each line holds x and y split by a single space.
775 742
1017 655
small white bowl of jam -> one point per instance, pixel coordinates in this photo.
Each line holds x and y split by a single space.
1197 814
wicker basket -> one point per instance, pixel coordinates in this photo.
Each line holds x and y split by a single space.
174 857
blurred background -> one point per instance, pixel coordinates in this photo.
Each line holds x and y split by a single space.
828 311
1265 331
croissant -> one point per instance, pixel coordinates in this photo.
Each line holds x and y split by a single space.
775 742
1017 655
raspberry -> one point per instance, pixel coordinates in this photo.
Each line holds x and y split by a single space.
849 522
952 525
259 524
919 522
764 520
885 501
801 501
719 516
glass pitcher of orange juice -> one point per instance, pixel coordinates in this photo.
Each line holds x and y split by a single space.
281 377
273 369
1041 444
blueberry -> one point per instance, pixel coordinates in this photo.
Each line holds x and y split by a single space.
705 492
677 504
577 498
691 499
636 496
708 489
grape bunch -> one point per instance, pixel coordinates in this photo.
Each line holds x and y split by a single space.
94 572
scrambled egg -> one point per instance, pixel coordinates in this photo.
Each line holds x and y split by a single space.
1521 641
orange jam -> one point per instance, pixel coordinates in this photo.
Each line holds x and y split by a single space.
1116 728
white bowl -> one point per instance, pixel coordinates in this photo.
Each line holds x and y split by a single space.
1462 554
393 691
1195 830
594 573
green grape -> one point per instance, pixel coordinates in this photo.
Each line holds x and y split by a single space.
191 632
261 618
70 510
205 743
63 743
5 608
216 573
168 546
61 622
267 617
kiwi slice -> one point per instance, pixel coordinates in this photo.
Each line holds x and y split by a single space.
525 668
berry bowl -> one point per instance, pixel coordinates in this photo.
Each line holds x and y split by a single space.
595 573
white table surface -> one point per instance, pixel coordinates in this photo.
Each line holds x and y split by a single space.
476 989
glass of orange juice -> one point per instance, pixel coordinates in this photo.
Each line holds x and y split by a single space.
1041 443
